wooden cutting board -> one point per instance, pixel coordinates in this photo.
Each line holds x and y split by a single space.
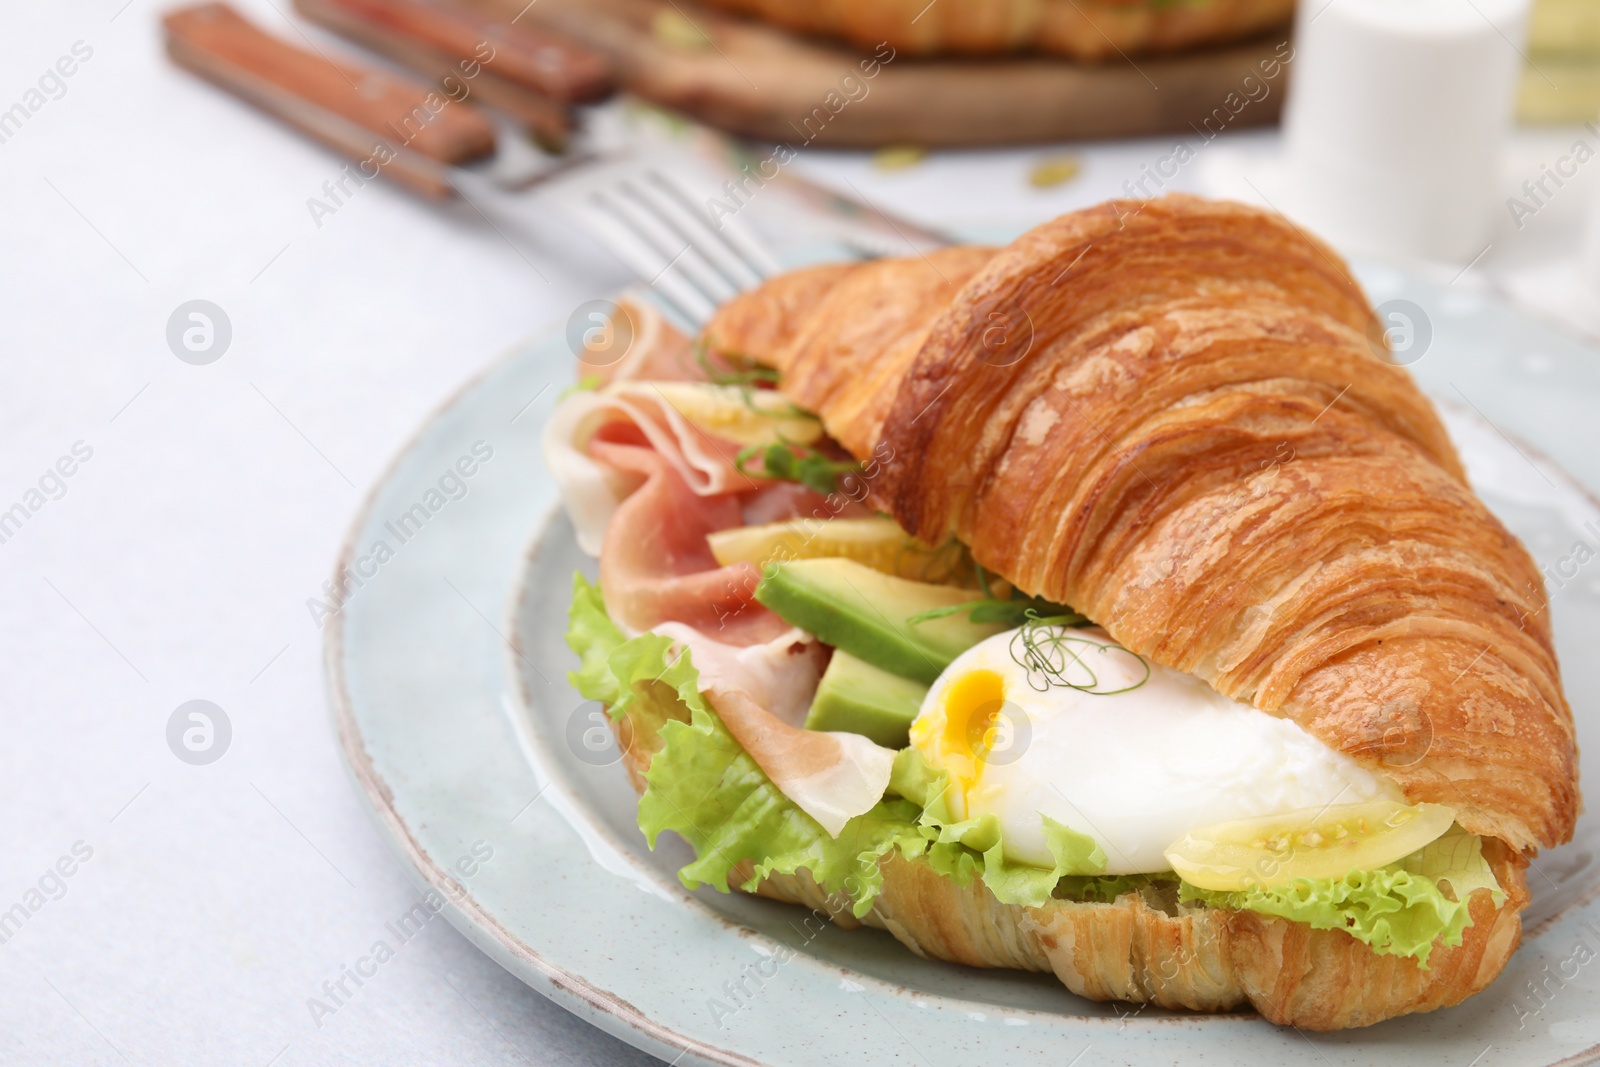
751 79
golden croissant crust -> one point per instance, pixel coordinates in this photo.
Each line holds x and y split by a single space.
1078 29
1169 415
1150 950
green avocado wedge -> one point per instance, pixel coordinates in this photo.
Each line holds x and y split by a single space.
865 613
859 698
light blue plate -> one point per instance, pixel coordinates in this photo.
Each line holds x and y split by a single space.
447 674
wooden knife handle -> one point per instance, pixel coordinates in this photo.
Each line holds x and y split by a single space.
533 58
460 78
391 125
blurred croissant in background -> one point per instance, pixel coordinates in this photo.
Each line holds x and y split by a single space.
1091 30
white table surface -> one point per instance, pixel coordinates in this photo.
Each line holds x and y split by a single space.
177 563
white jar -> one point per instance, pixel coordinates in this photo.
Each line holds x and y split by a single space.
1396 118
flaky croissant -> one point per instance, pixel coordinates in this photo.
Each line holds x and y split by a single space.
1090 30
1171 415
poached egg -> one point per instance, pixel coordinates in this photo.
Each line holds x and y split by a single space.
1066 723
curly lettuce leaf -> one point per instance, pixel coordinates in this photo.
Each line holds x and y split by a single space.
1398 910
963 848
593 636
706 788
1456 861
1106 888
703 786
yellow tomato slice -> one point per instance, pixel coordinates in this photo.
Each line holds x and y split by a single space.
878 543
1314 843
735 413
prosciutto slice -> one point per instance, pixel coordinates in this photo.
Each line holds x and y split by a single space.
832 777
644 487
592 489
655 565
656 350
780 675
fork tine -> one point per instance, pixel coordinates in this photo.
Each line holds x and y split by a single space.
728 232
685 253
647 262
645 215
693 225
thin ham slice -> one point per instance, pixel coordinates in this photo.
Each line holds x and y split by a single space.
656 350
781 675
783 501
832 777
644 487
780 502
592 490
655 565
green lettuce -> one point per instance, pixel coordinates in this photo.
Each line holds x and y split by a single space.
963 848
702 785
593 636
1106 888
1399 910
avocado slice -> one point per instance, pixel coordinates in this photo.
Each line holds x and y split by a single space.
861 699
864 612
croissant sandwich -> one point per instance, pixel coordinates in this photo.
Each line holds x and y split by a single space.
1106 604
1089 30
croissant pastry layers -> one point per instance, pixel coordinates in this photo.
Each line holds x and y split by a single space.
1087 30
1169 415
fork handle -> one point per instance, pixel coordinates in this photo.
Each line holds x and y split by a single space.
391 125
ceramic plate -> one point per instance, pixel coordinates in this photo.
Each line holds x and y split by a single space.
447 673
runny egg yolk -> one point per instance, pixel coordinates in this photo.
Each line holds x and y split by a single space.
972 702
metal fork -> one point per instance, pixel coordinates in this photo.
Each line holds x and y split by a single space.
640 210
649 219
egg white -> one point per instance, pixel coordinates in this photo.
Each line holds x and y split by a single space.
1135 769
